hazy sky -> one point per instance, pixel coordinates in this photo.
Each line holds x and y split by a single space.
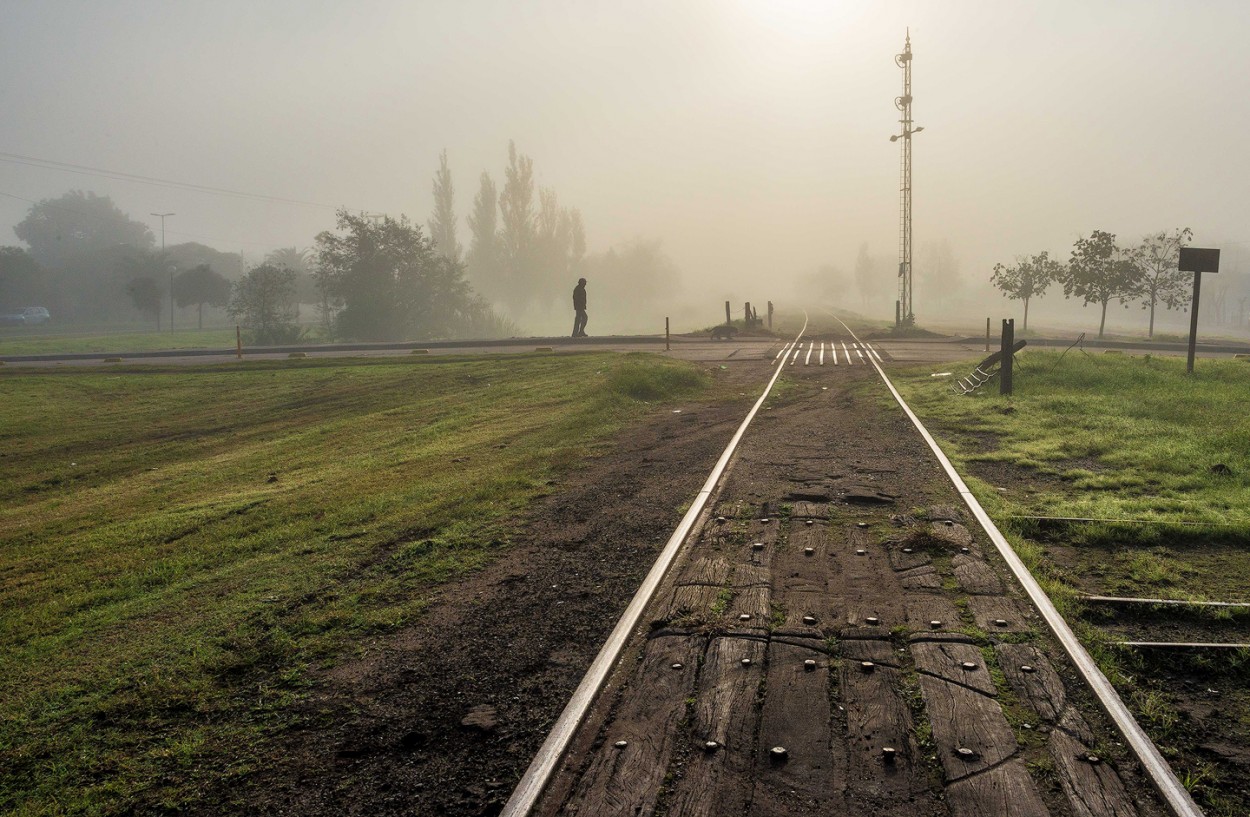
751 137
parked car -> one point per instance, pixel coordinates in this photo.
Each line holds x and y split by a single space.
25 316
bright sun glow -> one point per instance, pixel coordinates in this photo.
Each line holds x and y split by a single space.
797 19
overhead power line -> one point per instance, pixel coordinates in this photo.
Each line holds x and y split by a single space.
86 170
87 214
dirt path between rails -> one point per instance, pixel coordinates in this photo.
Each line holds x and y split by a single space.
443 718
837 641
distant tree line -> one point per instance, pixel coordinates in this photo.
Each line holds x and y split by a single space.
371 278
1099 271
374 279
526 250
88 261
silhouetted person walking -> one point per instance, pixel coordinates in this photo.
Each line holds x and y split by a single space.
579 306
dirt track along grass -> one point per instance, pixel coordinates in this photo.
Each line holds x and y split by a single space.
180 545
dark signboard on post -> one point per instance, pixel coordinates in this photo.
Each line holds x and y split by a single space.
1197 259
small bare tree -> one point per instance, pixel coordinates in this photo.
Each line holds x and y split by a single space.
1158 258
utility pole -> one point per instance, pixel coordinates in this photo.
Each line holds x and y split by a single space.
903 314
162 216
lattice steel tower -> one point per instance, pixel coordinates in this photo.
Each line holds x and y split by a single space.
903 314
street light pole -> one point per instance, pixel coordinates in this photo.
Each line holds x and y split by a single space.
162 216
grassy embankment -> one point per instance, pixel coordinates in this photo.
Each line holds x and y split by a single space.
1117 437
179 547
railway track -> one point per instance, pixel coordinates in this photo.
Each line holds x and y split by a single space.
831 630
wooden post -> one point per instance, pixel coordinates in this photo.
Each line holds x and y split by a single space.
1004 369
987 336
746 317
770 314
728 318
1193 323
238 340
666 346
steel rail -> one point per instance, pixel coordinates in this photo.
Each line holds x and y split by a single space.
1181 645
1085 519
549 754
1236 605
1174 795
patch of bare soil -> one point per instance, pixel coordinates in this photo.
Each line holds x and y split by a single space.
1207 742
443 718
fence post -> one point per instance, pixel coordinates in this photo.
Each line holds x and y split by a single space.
1004 369
728 318
1193 324
666 346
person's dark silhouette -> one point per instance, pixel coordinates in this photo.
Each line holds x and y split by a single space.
579 306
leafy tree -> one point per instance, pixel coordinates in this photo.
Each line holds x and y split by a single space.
201 285
21 279
264 302
485 254
138 264
392 284
293 258
300 262
79 239
560 245
148 297
66 230
1028 279
191 254
518 232
443 223
1158 258
1099 273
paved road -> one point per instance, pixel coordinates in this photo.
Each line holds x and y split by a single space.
936 351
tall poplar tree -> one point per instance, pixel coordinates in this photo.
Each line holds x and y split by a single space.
443 223
483 259
518 233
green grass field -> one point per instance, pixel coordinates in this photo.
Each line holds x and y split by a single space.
1106 436
19 341
179 545
1115 438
